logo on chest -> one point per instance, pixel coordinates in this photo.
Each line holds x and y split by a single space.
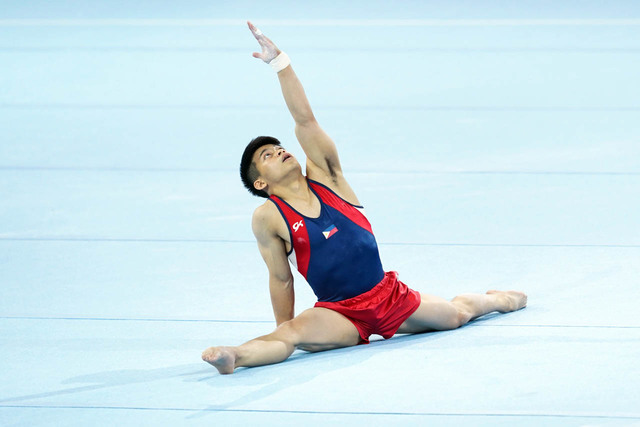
330 231
297 225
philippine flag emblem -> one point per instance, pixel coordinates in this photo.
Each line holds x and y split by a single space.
330 231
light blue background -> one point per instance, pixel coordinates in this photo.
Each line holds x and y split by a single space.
501 154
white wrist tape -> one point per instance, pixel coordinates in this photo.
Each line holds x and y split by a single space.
280 62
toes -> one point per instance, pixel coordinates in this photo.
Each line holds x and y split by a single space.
207 355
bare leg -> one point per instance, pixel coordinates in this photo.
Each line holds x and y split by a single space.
438 314
316 329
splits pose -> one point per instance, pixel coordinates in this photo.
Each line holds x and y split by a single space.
316 222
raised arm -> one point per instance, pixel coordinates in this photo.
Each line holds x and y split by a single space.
273 252
318 146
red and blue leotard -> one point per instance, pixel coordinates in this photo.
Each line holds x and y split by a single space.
336 253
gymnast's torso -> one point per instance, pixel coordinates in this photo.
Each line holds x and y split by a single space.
336 252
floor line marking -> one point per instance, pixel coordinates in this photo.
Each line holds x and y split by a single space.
124 319
275 411
357 49
478 323
354 171
159 240
439 108
159 22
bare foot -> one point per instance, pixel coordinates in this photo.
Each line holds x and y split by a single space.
222 358
510 300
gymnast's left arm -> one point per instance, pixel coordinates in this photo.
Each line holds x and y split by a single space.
319 148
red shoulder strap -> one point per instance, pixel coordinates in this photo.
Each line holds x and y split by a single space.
299 234
347 209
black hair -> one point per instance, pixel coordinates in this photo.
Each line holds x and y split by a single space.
248 170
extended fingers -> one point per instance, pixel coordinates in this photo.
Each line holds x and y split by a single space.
269 49
255 30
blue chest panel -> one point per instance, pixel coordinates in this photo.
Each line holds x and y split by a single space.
344 259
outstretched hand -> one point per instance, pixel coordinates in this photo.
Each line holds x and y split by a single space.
269 49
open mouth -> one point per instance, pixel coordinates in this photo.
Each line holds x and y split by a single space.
286 157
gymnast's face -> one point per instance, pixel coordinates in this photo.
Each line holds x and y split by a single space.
273 163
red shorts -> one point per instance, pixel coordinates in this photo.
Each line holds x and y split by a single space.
379 311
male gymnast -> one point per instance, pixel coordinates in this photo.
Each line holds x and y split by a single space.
316 222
